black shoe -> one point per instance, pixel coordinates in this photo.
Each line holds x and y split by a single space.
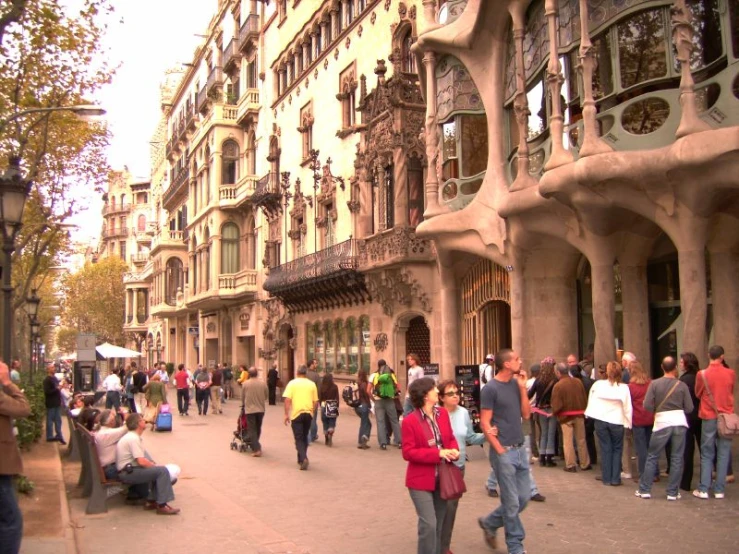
383 446
550 462
492 493
572 469
61 440
538 498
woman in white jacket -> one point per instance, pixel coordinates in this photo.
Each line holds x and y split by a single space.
609 405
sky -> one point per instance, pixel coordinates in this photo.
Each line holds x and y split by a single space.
146 37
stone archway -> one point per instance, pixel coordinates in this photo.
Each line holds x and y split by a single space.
412 334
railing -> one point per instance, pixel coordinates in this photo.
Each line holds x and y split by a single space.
230 113
180 178
139 257
231 53
398 244
244 278
202 99
249 30
215 79
248 103
324 263
189 116
116 232
231 196
116 208
165 237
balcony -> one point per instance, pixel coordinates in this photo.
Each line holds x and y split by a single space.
237 285
139 258
236 196
115 233
143 237
110 209
167 239
395 246
215 82
202 100
231 56
190 117
248 107
325 279
266 194
178 188
249 32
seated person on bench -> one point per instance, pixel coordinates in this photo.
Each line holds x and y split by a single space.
106 439
135 466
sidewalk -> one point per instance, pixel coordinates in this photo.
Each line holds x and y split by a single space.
46 524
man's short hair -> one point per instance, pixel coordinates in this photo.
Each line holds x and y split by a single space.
302 370
181 367
669 364
502 357
252 372
132 421
562 369
715 352
534 370
381 362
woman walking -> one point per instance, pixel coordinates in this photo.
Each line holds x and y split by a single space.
465 434
328 396
428 441
542 389
609 405
643 420
155 394
689 366
363 410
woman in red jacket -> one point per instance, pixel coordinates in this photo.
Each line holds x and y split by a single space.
427 441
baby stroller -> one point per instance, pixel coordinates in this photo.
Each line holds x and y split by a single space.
240 441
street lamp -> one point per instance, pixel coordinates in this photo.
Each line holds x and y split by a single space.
14 191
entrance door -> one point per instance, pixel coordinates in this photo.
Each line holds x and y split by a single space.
418 339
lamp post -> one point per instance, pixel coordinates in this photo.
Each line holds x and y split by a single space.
32 305
14 191
35 328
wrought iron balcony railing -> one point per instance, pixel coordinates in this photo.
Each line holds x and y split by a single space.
249 31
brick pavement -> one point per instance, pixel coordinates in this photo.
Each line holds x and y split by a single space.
354 501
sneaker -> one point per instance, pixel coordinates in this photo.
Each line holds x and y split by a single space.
718 495
625 475
700 494
488 537
538 498
644 495
672 497
492 493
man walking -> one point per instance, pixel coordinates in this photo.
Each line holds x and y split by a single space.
112 387
53 402
714 387
272 377
136 466
384 389
254 394
13 404
301 402
313 376
568 404
669 399
202 391
215 389
140 379
182 380
504 403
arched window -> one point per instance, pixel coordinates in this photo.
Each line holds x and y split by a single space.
251 155
251 245
141 223
408 60
230 161
174 280
123 200
230 248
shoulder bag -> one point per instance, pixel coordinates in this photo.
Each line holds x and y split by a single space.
331 409
451 481
728 424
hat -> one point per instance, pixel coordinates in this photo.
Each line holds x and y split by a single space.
490 357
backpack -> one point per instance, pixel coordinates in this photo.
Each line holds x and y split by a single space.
350 394
385 385
228 374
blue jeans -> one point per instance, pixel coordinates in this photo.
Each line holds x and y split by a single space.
642 435
314 427
365 424
54 419
301 429
11 519
611 439
512 470
548 430
676 436
407 406
329 423
492 482
710 443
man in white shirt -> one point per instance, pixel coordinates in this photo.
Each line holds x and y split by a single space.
487 370
135 466
112 387
162 371
415 371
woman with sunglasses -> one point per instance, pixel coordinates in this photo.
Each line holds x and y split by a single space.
449 397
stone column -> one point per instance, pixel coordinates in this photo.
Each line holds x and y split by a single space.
306 59
381 200
604 310
431 132
635 294
324 34
400 188
516 283
447 329
691 257
335 25
366 210
725 295
135 304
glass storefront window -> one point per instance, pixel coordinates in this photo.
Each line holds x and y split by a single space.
365 343
642 47
352 339
310 340
329 337
341 353
320 354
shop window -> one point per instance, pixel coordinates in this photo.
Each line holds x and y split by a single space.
230 161
230 248
330 340
352 340
642 48
341 353
310 342
364 344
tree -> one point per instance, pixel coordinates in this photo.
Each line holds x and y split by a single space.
94 299
66 340
52 57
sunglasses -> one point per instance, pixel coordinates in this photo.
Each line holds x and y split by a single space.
451 393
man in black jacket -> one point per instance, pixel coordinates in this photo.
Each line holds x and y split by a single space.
272 377
53 400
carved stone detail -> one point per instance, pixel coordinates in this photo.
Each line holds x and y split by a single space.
397 286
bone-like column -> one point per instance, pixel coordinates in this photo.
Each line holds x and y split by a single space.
432 139
691 257
634 292
725 294
604 311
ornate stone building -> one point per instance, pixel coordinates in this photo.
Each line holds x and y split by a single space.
602 180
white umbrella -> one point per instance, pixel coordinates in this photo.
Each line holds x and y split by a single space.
107 350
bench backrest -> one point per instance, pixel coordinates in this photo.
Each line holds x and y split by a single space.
90 439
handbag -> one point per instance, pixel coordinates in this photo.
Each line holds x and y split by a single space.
330 408
728 424
451 482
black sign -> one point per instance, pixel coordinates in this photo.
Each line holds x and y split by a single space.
431 370
468 381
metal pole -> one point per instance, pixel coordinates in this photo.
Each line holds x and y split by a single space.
8 249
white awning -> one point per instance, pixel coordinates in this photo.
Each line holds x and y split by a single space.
107 350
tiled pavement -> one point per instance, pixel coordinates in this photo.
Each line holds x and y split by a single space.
353 501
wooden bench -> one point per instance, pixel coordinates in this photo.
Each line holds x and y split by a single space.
73 450
100 488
